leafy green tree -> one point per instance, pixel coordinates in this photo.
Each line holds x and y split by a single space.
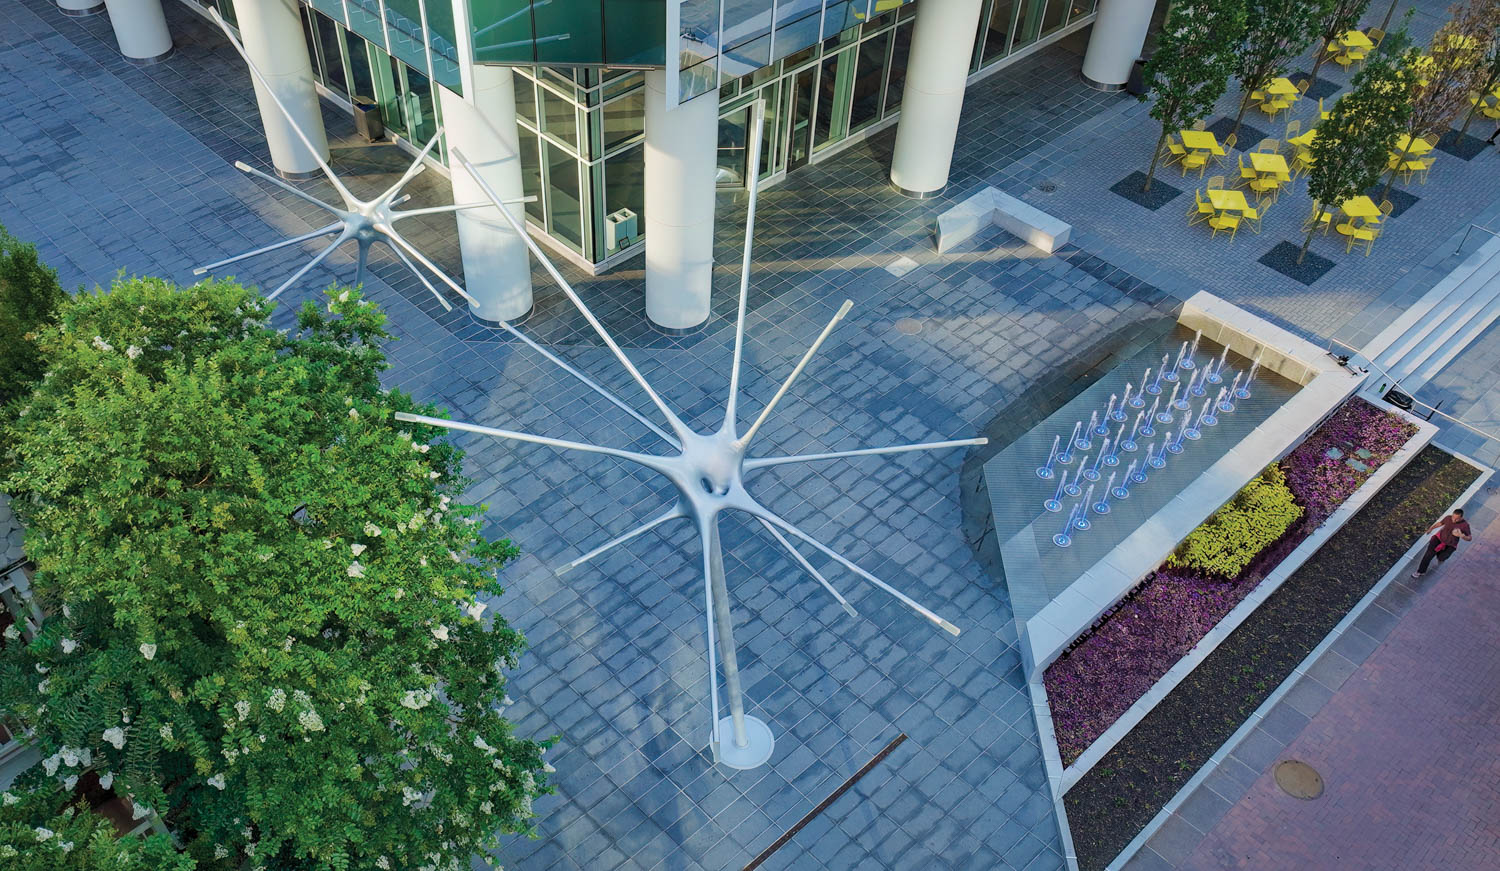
1276 31
267 608
1190 69
1450 73
1339 18
29 297
1354 144
38 832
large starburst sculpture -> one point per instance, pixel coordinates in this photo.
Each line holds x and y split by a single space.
363 222
707 470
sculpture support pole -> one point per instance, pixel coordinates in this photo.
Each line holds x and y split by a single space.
728 659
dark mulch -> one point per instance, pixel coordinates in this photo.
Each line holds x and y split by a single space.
1321 88
1120 795
1398 197
1467 148
1160 194
1245 140
1283 259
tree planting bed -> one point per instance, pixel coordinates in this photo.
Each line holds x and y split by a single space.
1122 793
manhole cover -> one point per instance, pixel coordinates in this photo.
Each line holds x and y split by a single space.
1047 186
1298 779
908 326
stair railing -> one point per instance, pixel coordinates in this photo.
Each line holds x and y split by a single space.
1395 383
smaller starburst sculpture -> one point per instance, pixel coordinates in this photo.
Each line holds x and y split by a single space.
365 222
708 472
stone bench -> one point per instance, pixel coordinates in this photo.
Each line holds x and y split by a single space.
1031 224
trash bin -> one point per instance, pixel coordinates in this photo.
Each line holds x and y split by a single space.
367 119
1136 85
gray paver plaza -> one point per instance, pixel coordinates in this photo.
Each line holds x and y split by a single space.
109 165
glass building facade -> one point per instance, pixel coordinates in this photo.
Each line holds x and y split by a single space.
830 71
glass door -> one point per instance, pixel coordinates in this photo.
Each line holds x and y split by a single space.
387 94
800 128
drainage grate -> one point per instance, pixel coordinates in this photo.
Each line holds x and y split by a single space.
833 797
1298 779
1047 186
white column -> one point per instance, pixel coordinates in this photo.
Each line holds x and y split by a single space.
272 35
497 267
80 7
942 43
140 29
1119 32
682 146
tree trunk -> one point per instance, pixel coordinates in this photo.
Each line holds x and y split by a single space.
1402 159
1318 62
1155 156
1306 242
1244 103
1386 24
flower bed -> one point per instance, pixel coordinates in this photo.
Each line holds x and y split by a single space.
1107 670
1115 800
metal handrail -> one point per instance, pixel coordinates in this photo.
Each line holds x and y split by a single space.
1396 382
1465 239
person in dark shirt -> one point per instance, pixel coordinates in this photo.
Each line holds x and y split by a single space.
1449 530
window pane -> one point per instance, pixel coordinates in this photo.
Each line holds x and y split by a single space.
571 32
502 31
733 136
419 107
745 22
1030 24
698 79
364 18
699 29
842 15
359 66
997 34
403 25
559 119
742 60
635 32
332 8
525 99
625 186
531 177
624 119
1057 13
899 56
333 61
797 25
867 81
833 99
563 196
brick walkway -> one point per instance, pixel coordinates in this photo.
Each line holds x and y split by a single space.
1409 749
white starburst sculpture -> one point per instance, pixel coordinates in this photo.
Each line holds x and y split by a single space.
364 222
707 469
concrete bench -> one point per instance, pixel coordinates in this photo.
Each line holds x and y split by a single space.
1035 226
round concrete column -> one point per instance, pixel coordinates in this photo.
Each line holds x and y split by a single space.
78 8
272 35
942 42
140 29
682 146
497 266
1119 33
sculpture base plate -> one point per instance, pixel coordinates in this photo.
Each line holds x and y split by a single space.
757 750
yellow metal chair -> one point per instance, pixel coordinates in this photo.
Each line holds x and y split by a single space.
1366 234
1175 153
1268 146
1224 223
1202 209
1375 35
1265 187
1200 125
1215 183
1194 160
1247 174
1323 113
1319 218
1302 163
1293 130
1229 143
1424 166
1253 217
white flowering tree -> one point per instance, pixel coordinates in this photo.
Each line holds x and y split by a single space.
266 609
45 830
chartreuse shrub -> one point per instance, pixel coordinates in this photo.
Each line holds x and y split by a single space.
1226 543
29 297
266 607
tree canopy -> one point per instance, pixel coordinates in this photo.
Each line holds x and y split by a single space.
266 609
1276 31
29 296
1191 67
